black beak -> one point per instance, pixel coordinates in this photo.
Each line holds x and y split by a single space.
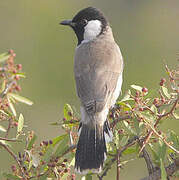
67 23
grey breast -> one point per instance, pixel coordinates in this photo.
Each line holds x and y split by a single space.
97 67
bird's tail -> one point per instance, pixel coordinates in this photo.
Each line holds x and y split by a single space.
91 148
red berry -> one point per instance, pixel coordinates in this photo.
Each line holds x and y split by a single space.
14 54
141 109
19 66
73 176
144 89
14 71
16 77
65 160
121 131
64 119
18 88
137 93
161 83
11 51
163 80
16 124
136 100
156 101
13 167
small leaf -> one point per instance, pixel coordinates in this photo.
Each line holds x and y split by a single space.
126 96
31 142
136 87
2 129
4 57
11 176
3 86
162 150
165 92
11 106
125 106
175 115
129 128
20 125
35 160
124 140
62 147
20 99
58 139
163 171
68 112
47 155
130 150
154 109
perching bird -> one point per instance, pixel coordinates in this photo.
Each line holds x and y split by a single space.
98 68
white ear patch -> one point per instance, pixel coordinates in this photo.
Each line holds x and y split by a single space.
92 29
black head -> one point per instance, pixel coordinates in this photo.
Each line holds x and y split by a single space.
80 21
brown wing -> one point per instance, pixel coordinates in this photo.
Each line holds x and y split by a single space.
97 68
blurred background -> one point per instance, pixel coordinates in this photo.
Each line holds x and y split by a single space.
146 31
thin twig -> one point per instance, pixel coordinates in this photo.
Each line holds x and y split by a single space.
118 155
8 86
15 158
118 120
11 140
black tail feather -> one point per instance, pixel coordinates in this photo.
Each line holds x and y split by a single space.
91 149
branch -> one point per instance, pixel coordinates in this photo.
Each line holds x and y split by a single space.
118 155
148 136
147 159
8 86
118 120
11 140
15 158
170 170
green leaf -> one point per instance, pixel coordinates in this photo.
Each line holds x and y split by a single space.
175 115
3 86
4 57
48 153
125 106
87 177
68 112
162 150
29 146
63 146
126 96
130 150
154 109
163 171
124 140
56 140
165 92
20 125
174 138
20 99
136 87
11 176
2 129
129 128
11 106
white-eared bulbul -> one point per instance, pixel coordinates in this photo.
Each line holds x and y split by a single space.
98 68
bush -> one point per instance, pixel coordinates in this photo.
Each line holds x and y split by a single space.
135 121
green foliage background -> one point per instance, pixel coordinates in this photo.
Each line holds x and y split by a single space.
147 32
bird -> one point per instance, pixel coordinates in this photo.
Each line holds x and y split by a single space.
98 70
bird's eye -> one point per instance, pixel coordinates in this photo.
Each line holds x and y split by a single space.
83 22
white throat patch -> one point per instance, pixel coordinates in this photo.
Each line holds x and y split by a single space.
92 29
